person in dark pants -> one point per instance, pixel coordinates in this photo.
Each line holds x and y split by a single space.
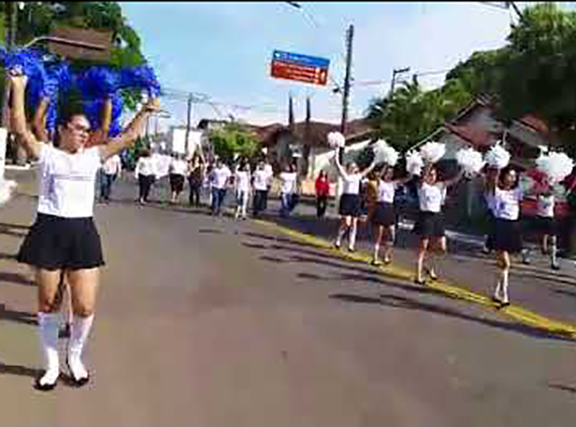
322 193
108 174
260 181
146 173
219 178
195 180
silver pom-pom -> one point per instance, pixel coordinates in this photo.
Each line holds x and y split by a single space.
470 161
383 153
556 166
432 151
498 157
414 163
336 140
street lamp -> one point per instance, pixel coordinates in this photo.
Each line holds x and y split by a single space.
396 72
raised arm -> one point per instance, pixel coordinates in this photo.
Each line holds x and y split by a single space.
127 138
39 121
453 181
339 167
369 169
27 138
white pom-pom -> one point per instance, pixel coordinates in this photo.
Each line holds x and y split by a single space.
432 151
414 163
498 157
470 160
336 140
6 191
383 153
556 166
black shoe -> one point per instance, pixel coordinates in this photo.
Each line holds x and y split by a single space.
555 267
44 387
337 246
504 304
376 263
431 274
77 382
496 300
420 282
351 250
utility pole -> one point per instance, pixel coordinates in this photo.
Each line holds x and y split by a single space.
188 121
347 80
395 72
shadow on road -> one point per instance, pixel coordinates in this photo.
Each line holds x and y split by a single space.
16 226
17 316
20 371
406 303
14 278
563 388
9 257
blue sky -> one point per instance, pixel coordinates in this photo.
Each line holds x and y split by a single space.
224 49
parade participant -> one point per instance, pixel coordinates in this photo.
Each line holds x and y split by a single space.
546 222
242 184
109 172
491 176
370 194
260 183
350 206
383 215
177 170
322 187
430 223
195 180
288 188
269 176
507 230
218 179
146 172
64 236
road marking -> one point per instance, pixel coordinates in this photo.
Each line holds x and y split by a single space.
514 311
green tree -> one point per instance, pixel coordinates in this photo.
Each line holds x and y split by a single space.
233 140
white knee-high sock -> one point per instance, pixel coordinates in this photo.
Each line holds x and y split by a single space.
79 334
353 230
376 250
553 251
48 334
341 232
505 285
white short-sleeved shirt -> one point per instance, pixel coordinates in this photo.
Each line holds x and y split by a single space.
288 180
219 177
431 197
545 207
67 181
386 192
351 183
242 181
112 166
507 203
261 180
489 197
178 167
146 166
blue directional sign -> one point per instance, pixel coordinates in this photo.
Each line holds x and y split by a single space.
303 60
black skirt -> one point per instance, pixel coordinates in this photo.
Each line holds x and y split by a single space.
176 183
55 243
507 235
545 225
384 214
429 224
350 205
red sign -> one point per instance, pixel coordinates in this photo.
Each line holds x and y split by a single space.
301 73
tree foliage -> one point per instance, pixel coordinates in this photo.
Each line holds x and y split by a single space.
233 141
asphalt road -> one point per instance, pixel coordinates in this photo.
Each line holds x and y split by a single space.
208 321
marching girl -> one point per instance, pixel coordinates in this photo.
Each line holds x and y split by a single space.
507 239
64 236
350 204
178 169
430 223
546 222
383 217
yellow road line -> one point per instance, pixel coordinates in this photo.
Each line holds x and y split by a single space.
514 311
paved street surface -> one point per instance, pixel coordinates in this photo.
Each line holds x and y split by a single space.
208 321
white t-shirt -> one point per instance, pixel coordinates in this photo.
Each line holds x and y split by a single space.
507 203
288 180
261 180
269 171
146 166
242 181
67 182
219 177
431 197
178 167
489 197
112 166
351 183
546 206
386 191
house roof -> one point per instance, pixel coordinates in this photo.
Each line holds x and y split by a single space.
478 138
535 123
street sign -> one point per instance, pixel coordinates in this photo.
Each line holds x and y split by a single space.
302 68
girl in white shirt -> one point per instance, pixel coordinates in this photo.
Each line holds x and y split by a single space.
178 168
546 222
384 215
64 237
242 184
430 223
288 190
260 182
507 194
146 171
350 203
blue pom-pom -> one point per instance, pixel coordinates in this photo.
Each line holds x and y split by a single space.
51 117
93 110
98 82
27 61
142 77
